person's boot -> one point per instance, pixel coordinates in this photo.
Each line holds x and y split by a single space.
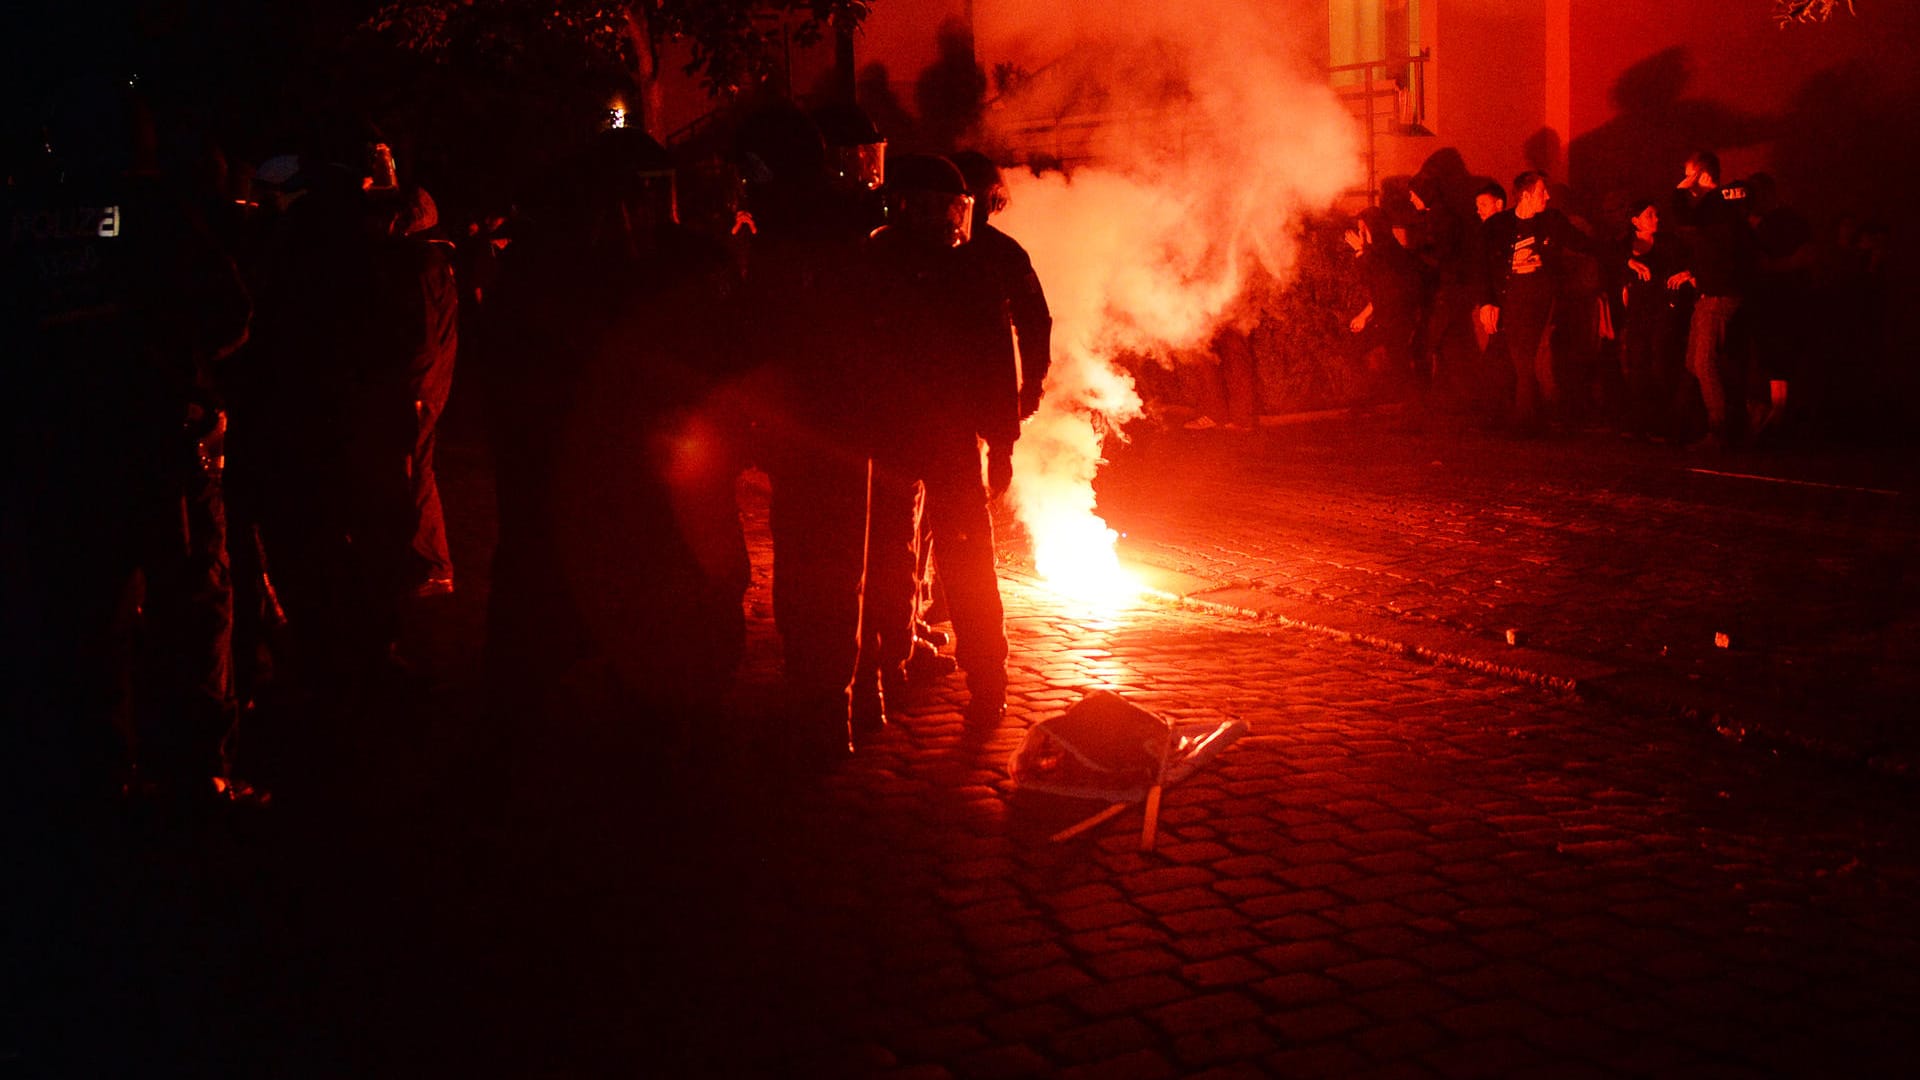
986 699
928 665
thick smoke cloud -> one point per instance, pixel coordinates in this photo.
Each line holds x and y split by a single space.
1196 139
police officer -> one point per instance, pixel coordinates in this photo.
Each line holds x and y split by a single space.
116 312
1011 269
1010 272
627 529
337 418
810 411
940 351
856 165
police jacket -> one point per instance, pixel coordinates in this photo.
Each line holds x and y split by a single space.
1026 302
114 308
939 347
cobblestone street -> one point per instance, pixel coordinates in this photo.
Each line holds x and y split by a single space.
1404 868
1777 595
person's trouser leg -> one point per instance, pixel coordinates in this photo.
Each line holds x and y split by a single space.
1706 344
888 589
429 521
1637 374
818 517
963 539
1526 320
188 712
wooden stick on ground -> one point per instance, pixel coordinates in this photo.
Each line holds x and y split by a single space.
1072 831
1148 828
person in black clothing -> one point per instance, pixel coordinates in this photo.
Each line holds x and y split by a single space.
1012 269
1719 267
116 313
1783 290
422 265
334 416
620 541
810 409
1521 287
856 166
1650 336
1453 245
1025 303
1391 278
939 345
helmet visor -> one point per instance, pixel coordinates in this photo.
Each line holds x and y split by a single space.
862 167
934 216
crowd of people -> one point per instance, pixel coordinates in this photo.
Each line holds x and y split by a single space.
1709 314
221 473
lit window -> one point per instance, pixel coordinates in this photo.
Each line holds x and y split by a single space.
1374 49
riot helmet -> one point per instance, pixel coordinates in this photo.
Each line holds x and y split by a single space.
927 201
984 183
856 151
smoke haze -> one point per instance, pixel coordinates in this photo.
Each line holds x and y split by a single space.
1196 140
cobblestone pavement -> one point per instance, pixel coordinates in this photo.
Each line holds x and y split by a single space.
1404 869
1618 565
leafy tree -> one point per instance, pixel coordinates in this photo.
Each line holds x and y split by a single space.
735 44
1803 11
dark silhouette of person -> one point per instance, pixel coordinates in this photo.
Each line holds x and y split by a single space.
422 265
1391 278
1654 320
1719 266
809 407
1784 307
893 663
116 311
951 92
1522 285
1442 198
620 541
335 415
936 322
874 90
